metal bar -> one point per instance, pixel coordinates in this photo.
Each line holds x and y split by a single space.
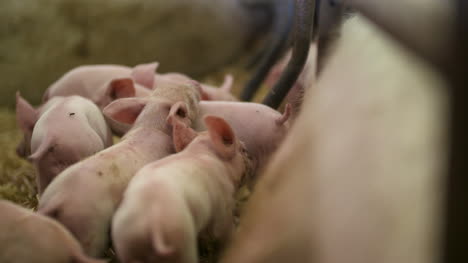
283 14
305 11
456 208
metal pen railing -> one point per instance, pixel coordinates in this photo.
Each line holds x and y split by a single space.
436 31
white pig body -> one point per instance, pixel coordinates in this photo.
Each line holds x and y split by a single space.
222 93
171 201
103 179
260 127
208 92
85 196
30 237
91 81
67 130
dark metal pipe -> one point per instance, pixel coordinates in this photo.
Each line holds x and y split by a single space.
283 15
305 12
456 202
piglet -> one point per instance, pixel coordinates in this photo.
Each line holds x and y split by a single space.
30 237
85 196
222 93
104 83
62 132
260 127
167 80
171 201
208 92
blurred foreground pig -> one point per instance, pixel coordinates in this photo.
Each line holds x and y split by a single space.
104 83
84 196
358 178
30 237
171 201
260 127
60 133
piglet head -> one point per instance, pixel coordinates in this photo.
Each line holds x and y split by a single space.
144 74
218 139
223 139
115 89
26 118
182 134
227 147
122 113
189 93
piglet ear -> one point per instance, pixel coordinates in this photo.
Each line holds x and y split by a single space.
178 111
125 110
143 74
121 88
182 134
222 136
26 115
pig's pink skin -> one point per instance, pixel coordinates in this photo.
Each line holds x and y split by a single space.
30 237
258 126
68 130
26 118
222 93
208 92
97 82
91 82
84 196
171 201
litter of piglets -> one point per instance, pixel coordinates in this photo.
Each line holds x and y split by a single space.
170 182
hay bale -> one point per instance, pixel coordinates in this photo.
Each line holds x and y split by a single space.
17 177
41 40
